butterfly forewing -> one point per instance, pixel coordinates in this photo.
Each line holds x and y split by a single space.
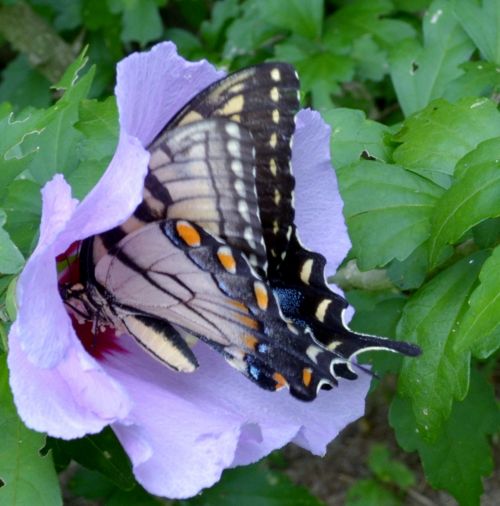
264 100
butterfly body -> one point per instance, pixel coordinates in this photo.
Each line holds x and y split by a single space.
212 252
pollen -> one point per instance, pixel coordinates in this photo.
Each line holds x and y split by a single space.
227 260
188 233
261 295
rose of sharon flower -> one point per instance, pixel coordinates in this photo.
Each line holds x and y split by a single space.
179 430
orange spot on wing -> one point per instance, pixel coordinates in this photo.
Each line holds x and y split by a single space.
188 233
251 341
249 322
306 376
239 305
261 295
280 380
227 260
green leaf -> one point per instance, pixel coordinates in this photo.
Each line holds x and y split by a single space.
100 452
387 211
389 470
248 32
320 71
27 476
18 142
377 313
141 21
24 86
98 121
11 259
410 273
474 197
212 31
482 24
436 138
461 456
23 207
10 299
358 18
371 493
487 233
480 79
430 319
301 17
251 486
422 73
354 136
58 142
479 329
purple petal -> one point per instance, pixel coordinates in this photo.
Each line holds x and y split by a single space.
154 85
215 418
45 330
318 205
72 399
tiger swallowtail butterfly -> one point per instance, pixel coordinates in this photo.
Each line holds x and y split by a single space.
212 251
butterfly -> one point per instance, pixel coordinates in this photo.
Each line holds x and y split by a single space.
212 252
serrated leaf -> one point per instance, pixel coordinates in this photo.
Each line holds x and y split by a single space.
421 73
57 143
389 470
353 136
482 24
474 197
479 329
480 79
371 493
72 73
387 211
461 456
252 485
429 319
302 17
436 138
27 476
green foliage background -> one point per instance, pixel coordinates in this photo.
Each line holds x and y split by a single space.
411 90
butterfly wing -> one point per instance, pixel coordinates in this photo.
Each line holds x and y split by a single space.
175 271
263 99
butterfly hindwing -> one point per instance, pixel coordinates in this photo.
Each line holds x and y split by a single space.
200 284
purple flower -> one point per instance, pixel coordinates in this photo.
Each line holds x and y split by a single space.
180 430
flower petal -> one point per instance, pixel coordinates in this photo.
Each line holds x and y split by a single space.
215 418
42 315
154 85
72 399
318 205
